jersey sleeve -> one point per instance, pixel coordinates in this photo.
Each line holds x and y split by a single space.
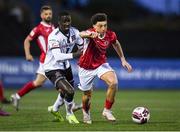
61 56
79 40
34 33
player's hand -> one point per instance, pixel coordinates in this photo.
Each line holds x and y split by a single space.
126 65
77 53
29 58
93 35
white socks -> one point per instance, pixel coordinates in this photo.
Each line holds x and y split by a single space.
59 101
17 96
69 106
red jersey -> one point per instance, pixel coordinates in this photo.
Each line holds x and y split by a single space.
94 53
41 33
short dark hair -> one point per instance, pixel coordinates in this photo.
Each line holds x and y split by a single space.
63 13
45 7
98 17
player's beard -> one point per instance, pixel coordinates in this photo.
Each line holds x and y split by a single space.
48 20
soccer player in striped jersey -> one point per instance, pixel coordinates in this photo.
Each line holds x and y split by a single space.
57 66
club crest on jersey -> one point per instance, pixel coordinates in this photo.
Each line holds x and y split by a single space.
106 43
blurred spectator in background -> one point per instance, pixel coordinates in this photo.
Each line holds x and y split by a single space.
14 25
21 12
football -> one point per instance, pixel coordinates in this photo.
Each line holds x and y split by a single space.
140 115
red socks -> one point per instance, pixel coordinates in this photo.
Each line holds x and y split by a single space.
26 88
108 104
1 92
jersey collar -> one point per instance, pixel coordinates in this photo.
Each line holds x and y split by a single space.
45 24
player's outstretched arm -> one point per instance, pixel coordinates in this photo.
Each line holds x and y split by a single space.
88 34
118 49
28 55
65 56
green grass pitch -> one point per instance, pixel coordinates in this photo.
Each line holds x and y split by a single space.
164 107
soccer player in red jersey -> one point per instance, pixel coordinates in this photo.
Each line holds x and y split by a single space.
40 33
93 63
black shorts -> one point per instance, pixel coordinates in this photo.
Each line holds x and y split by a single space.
58 74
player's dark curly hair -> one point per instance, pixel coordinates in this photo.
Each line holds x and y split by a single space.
45 7
98 17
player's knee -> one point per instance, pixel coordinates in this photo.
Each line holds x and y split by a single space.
70 91
87 93
113 84
37 84
66 88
